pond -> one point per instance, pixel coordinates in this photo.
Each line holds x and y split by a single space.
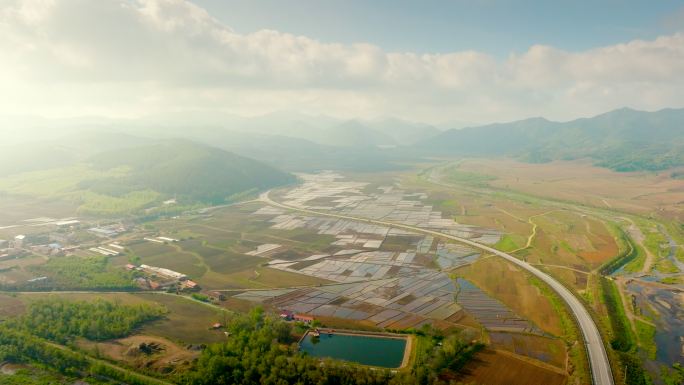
380 351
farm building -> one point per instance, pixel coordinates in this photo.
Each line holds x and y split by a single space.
164 272
189 285
286 315
303 318
214 295
103 232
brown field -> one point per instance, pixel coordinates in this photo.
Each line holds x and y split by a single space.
342 323
572 239
579 181
566 235
573 278
475 209
509 284
17 270
602 240
239 305
549 350
259 278
20 263
10 306
491 367
169 256
170 357
16 209
212 249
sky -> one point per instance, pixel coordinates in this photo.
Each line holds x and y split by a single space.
430 61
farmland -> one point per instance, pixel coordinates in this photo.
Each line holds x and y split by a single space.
498 368
357 275
10 306
187 321
163 355
213 250
579 218
579 182
510 285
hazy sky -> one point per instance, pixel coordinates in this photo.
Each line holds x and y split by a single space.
429 61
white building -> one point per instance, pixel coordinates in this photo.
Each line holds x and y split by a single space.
19 241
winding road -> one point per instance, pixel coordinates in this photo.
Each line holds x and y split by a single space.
598 359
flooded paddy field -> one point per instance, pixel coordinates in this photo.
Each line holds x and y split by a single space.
386 277
331 192
490 312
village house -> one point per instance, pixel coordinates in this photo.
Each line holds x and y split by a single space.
303 318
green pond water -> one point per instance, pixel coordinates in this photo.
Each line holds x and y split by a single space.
374 351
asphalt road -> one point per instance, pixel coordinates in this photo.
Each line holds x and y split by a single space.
598 359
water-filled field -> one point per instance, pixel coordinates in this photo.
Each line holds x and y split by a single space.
374 351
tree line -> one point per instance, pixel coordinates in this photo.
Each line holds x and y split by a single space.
261 350
61 321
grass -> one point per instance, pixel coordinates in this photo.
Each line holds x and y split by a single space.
680 254
67 184
622 335
646 336
510 285
637 261
106 205
168 257
653 238
453 175
187 322
10 306
666 266
631 255
569 332
506 244
36 376
422 348
672 280
566 246
58 182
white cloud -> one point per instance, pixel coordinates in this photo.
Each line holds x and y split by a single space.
132 57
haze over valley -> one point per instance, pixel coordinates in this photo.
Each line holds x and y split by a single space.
302 192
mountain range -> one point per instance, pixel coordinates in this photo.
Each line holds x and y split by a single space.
622 140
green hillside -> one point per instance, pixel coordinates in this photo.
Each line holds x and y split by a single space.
128 180
184 169
622 140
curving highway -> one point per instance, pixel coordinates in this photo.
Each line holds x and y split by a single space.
598 359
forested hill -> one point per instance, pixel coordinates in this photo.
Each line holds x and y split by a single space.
185 169
623 140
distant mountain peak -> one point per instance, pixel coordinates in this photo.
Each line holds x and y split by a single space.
624 139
